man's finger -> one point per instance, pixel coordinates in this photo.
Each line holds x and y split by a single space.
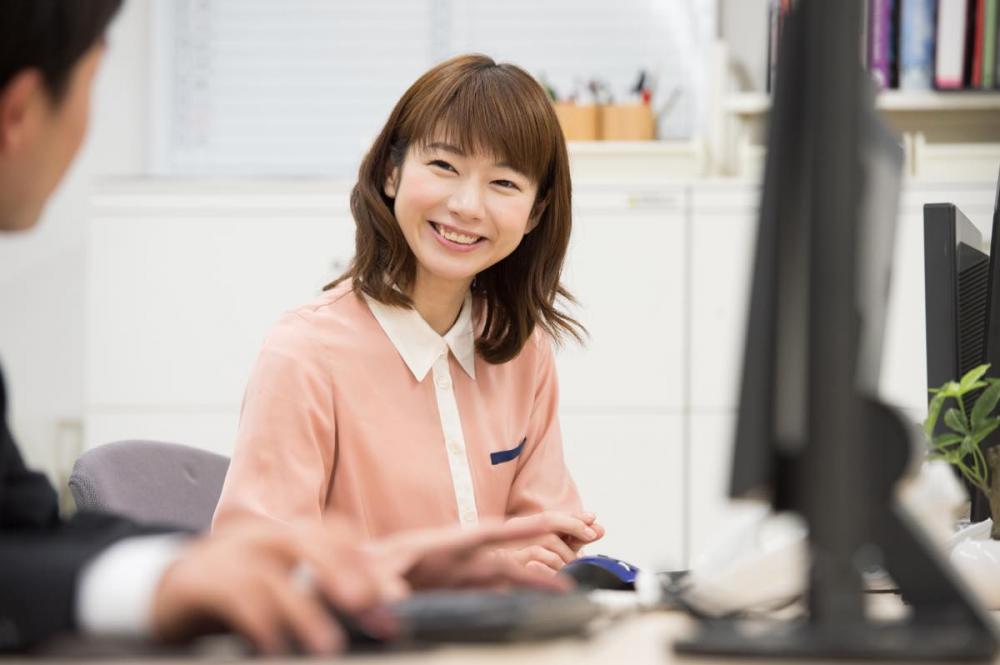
253 618
345 577
302 614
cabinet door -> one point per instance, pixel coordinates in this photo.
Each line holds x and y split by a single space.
723 231
630 472
709 469
178 307
183 283
626 268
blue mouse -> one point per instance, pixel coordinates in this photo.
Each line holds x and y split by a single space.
601 572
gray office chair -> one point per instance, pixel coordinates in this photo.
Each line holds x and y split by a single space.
150 481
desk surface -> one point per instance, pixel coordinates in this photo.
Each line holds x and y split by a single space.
632 640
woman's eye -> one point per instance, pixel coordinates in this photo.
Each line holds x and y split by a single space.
507 184
441 164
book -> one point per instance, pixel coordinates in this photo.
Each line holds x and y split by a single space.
916 44
880 41
950 50
978 25
989 54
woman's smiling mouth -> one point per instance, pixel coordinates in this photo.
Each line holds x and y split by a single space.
454 236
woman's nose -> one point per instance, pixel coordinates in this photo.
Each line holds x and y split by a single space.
467 202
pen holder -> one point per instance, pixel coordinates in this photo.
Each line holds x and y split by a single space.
579 122
627 122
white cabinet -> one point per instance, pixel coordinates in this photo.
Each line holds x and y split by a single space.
625 267
630 472
723 232
183 284
622 393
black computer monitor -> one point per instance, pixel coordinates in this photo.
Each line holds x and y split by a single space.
961 299
812 435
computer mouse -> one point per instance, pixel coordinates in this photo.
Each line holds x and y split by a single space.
601 572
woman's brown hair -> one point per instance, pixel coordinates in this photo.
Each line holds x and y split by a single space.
483 108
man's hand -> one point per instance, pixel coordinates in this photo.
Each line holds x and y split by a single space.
562 537
453 557
262 579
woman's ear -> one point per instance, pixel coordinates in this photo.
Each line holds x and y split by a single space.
536 214
391 183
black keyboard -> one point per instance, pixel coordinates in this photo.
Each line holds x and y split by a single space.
492 616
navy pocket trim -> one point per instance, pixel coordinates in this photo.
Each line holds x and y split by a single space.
507 455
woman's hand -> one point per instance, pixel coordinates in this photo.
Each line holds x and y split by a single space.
454 557
564 534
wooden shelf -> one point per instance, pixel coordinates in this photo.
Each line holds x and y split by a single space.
895 101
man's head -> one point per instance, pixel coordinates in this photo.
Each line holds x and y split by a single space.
49 52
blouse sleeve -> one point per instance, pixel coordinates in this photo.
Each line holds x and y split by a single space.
286 443
543 482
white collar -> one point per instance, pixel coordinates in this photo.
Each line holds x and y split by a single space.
419 345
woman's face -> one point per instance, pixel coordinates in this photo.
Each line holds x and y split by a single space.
460 213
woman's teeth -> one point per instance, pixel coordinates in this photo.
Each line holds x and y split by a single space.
453 236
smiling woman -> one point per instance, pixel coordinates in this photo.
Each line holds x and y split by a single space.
463 219
497 124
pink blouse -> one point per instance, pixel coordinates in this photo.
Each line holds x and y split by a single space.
363 409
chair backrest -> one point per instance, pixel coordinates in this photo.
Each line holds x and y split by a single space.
150 481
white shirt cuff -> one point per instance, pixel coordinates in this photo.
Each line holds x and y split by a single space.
115 590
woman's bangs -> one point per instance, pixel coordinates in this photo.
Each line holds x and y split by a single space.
491 115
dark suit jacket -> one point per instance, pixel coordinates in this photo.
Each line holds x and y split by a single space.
41 555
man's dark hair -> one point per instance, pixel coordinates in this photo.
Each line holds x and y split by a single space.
51 36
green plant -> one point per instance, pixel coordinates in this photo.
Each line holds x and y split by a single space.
960 444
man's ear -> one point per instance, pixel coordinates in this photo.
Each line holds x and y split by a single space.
18 99
391 183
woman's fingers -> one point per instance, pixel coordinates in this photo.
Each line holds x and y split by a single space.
540 568
570 525
559 547
545 556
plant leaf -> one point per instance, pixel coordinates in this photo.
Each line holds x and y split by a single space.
985 404
953 419
972 377
945 440
951 389
933 410
984 431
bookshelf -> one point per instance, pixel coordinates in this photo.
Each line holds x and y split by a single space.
905 101
955 135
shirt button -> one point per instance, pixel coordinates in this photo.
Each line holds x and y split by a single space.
444 383
452 445
468 516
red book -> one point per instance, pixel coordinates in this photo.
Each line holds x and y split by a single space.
977 49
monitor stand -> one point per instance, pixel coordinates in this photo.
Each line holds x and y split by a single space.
943 621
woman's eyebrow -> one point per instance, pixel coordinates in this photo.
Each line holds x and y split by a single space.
455 150
447 147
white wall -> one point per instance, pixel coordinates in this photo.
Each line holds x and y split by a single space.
743 26
42 272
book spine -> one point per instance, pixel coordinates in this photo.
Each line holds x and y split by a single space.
880 42
990 45
916 44
978 26
774 28
949 68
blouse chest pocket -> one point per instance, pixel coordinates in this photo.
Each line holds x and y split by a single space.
504 456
